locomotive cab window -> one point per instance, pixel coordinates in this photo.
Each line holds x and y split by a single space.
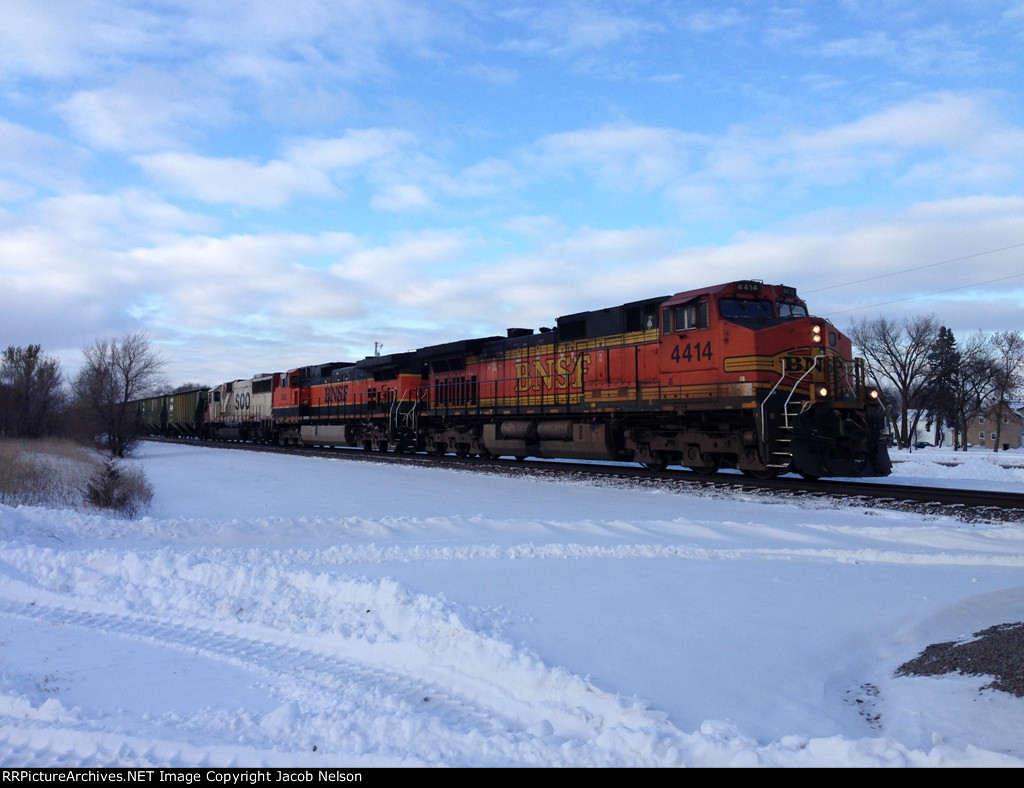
792 310
686 317
746 309
640 318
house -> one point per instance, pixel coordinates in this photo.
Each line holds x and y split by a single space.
1007 419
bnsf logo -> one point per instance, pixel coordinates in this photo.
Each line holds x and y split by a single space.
334 394
798 363
553 374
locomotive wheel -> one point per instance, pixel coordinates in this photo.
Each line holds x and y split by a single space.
704 470
656 465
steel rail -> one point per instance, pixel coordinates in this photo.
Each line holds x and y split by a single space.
970 504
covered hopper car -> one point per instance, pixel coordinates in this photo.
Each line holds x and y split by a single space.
181 414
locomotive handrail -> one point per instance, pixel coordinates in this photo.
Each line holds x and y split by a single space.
789 397
771 394
798 382
415 398
395 414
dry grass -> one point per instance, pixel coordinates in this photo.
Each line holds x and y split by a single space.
63 474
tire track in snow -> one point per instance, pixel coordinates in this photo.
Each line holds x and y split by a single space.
282 666
326 701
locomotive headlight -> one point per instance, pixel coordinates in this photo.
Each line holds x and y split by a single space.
873 394
823 392
816 333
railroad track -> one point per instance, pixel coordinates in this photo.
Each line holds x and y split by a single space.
965 504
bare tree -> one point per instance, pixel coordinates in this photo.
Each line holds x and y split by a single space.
900 353
116 372
1009 372
32 394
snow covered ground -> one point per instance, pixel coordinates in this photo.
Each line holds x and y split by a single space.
289 611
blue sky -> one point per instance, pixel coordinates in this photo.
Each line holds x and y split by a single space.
258 185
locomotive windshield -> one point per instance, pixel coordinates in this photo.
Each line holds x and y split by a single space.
792 310
746 309
760 309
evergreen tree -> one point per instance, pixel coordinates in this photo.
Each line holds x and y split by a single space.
944 360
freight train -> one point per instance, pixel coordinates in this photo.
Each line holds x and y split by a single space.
738 375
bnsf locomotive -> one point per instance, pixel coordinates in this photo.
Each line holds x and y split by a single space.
732 376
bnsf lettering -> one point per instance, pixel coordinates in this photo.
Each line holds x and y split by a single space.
798 363
552 374
695 351
243 399
336 394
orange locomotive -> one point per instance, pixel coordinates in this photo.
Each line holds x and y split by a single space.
732 376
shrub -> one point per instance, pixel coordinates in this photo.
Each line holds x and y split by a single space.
63 474
125 490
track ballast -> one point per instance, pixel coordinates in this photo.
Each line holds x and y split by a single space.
963 504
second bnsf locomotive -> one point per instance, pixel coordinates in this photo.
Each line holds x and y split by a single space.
733 376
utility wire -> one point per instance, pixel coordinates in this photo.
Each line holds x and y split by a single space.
922 268
921 295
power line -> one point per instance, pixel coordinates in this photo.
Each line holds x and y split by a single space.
921 268
934 292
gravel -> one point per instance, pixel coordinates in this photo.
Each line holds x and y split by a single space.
997 651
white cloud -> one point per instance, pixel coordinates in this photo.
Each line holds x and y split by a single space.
401 197
709 21
45 38
309 168
401 268
943 120
143 111
40 160
497 75
357 148
942 141
621 157
235 181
